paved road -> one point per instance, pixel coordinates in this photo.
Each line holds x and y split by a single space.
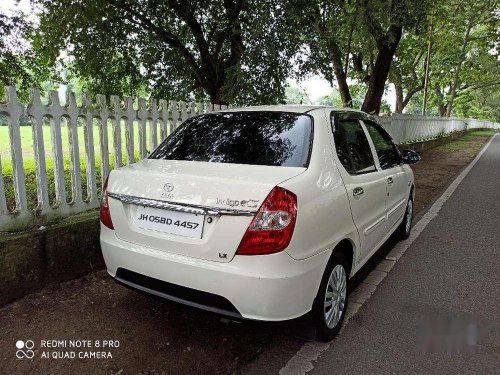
438 310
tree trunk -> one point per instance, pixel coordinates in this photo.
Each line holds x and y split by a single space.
216 96
399 98
427 65
376 84
387 43
340 75
395 77
454 85
335 55
345 94
440 104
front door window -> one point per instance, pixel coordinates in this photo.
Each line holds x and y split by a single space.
387 152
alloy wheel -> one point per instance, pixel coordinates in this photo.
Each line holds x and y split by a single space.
335 296
409 216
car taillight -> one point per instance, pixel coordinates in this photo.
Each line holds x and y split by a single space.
272 227
105 214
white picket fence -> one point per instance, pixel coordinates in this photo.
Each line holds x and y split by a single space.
413 128
153 119
151 122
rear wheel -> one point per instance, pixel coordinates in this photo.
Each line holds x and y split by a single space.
331 301
404 228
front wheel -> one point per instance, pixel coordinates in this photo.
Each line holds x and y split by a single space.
330 304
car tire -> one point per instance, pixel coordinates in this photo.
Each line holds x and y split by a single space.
330 305
404 229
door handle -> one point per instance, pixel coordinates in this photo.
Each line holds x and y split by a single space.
390 180
357 191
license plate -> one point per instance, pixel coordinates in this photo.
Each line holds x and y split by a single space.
170 222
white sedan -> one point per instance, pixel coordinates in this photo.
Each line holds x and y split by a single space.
259 213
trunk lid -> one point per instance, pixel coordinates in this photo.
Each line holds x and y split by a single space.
190 184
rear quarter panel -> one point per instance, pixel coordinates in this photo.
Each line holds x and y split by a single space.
323 212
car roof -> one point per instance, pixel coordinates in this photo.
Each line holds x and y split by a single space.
296 108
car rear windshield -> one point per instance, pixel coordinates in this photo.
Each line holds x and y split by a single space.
258 138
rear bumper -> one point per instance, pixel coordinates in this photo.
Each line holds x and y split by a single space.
266 287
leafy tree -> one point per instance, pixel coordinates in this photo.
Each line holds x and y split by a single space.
333 99
407 69
465 53
18 65
355 39
296 95
489 101
326 25
228 51
385 22
358 92
462 57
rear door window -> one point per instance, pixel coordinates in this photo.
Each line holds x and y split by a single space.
258 138
353 149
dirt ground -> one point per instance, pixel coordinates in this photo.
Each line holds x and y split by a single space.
160 337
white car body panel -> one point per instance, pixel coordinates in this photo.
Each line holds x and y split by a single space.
265 287
397 194
323 213
194 183
270 287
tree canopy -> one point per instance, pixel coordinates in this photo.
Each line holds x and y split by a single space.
464 62
445 54
228 51
355 40
19 65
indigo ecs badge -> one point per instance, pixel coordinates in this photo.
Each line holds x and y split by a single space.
250 203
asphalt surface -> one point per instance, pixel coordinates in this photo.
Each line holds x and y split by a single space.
438 310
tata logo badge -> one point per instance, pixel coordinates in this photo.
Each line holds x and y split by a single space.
168 187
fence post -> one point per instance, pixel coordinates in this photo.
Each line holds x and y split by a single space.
199 108
35 111
117 134
174 108
164 119
153 125
405 131
192 110
57 153
3 202
16 111
183 110
88 135
129 129
103 137
209 108
142 114
74 149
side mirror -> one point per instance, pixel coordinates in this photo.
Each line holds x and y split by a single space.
410 157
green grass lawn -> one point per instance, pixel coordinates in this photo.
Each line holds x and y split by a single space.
29 159
460 143
27 141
